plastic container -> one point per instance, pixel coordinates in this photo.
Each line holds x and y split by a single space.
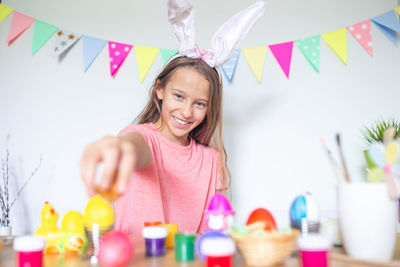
155 237
218 251
184 246
172 230
314 250
29 251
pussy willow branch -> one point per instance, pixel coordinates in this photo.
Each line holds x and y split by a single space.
26 182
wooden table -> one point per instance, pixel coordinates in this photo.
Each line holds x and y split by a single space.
338 258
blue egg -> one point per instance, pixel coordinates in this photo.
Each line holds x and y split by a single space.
304 206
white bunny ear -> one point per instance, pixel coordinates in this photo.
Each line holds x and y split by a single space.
181 17
232 31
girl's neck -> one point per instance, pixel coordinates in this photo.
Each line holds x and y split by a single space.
162 128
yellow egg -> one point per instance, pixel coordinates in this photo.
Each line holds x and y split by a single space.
72 222
98 210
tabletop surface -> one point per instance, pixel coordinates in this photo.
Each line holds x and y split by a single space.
337 258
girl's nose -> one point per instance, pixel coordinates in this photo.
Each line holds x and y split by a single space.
187 111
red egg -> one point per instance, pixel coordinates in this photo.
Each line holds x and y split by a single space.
263 216
115 249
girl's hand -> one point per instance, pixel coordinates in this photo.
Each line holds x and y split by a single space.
120 157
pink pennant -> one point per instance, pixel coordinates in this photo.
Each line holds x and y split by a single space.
19 24
117 52
283 54
362 33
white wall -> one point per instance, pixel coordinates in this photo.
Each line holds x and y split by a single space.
272 129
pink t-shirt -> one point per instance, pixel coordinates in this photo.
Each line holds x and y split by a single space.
175 188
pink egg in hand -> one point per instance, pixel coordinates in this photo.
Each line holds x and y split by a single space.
115 249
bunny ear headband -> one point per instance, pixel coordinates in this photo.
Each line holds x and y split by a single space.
225 39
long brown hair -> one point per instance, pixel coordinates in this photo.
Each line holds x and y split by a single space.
209 131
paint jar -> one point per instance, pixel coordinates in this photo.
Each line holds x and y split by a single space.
155 223
314 250
29 251
172 230
155 240
218 251
184 246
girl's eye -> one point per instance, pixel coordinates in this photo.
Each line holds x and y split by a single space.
200 104
178 96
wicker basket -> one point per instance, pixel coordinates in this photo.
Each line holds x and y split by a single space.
268 249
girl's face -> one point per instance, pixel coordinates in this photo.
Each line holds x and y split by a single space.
185 100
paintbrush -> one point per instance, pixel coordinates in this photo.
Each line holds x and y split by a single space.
345 170
332 161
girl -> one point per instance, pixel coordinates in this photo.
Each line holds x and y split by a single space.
170 164
175 170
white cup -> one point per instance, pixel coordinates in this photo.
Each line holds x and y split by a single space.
368 220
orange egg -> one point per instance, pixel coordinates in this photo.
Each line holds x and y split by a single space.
264 217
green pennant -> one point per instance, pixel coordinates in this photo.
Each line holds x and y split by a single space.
166 54
310 49
43 32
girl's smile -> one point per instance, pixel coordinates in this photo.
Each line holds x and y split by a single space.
184 104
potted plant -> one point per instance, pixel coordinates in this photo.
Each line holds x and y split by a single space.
6 202
376 133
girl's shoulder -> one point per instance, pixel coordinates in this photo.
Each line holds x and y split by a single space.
144 129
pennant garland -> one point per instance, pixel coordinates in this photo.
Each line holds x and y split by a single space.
19 24
5 11
91 48
65 39
117 52
310 49
255 57
283 54
388 23
166 54
337 41
362 33
43 32
230 66
145 57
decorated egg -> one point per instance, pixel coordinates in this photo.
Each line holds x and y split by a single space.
98 211
115 249
74 238
219 214
304 209
263 218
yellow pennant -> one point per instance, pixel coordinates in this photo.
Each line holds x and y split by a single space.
145 57
397 10
255 57
4 12
337 41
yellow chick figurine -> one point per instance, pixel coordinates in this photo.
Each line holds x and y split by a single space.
74 238
48 229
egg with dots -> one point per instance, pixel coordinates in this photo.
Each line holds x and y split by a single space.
261 219
115 249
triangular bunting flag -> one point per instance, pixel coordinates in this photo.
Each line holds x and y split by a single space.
43 32
230 66
362 33
391 35
388 23
19 24
145 57
91 48
4 12
64 40
310 49
389 20
255 57
166 54
397 10
117 52
338 42
283 54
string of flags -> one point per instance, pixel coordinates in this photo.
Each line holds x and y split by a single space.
387 23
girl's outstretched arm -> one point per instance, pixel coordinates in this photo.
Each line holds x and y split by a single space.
120 155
